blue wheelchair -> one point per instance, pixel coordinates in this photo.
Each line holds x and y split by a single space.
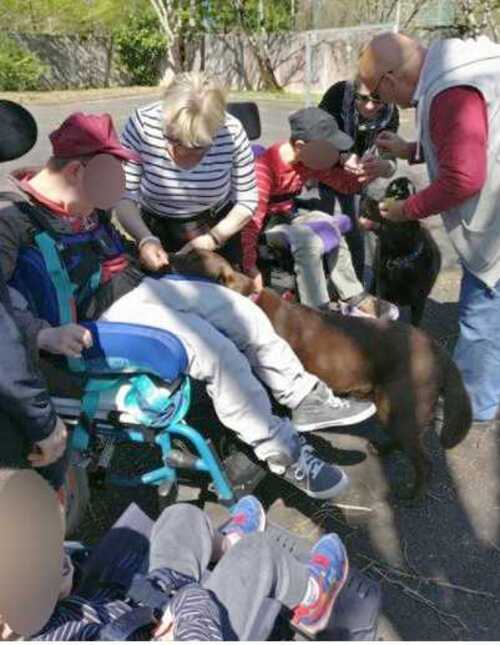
130 386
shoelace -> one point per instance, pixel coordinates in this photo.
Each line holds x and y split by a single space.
336 401
308 463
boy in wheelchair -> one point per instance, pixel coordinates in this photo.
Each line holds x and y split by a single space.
315 239
227 338
40 600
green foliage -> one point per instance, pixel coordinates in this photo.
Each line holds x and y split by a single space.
141 45
226 15
19 68
84 17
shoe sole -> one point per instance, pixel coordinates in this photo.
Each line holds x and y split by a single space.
312 631
350 421
331 492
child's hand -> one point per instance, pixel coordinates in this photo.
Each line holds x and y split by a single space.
256 276
69 340
165 630
152 255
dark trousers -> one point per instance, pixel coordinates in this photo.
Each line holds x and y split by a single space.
354 238
175 233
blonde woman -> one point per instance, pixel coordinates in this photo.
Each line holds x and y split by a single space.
195 187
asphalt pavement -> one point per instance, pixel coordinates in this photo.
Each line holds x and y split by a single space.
438 562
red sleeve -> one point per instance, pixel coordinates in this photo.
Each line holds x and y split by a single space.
250 233
459 132
339 179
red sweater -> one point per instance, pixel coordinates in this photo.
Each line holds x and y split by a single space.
276 177
459 132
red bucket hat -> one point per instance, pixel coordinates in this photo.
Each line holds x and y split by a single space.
89 134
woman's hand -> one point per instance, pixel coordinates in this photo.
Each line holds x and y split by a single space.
152 255
373 167
203 242
394 144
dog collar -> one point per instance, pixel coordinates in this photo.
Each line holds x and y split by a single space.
405 261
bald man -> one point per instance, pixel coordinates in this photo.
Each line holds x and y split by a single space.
455 86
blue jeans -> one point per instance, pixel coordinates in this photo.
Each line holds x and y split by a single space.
477 352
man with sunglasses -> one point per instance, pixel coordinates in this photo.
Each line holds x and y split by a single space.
362 117
455 86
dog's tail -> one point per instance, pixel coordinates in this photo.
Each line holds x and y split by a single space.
457 409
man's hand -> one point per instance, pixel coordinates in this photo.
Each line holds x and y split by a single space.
152 255
203 242
69 340
49 450
393 210
258 280
394 144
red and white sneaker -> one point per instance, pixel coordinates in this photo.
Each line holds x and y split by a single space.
329 568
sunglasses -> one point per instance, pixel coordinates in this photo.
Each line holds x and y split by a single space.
178 144
367 98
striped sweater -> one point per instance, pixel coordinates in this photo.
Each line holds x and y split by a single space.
197 614
226 172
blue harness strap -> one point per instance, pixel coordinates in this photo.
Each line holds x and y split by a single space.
65 289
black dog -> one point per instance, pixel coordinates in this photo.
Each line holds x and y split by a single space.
408 260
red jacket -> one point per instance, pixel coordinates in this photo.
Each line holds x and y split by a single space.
276 177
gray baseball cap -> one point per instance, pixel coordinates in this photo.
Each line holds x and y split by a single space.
315 124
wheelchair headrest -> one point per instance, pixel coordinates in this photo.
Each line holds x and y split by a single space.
248 113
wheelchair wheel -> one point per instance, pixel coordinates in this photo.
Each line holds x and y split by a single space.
77 494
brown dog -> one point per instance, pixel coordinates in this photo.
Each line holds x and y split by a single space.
399 367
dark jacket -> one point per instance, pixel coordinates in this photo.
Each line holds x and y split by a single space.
23 395
339 101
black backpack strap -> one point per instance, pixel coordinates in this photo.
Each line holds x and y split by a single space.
128 624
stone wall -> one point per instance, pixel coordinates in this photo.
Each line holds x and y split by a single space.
76 62
73 61
333 56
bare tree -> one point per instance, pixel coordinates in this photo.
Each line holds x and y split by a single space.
182 23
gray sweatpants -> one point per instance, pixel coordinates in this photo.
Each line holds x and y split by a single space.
229 341
254 569
308 255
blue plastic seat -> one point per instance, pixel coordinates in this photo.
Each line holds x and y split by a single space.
140 370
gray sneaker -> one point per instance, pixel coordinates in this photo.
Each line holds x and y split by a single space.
312 475
322 409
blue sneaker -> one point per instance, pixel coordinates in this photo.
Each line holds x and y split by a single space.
328 567
248 516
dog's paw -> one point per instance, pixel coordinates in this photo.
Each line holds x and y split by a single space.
408 496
